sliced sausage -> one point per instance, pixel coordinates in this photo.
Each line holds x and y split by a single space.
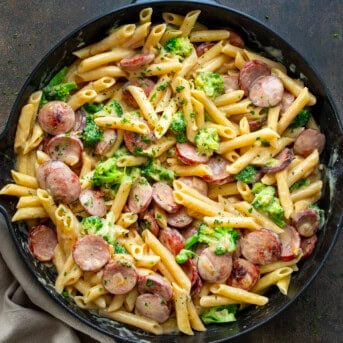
91 253
231 83
156 285
307 245
191 270
60 180
109 138
180 219
266 91
93 202
290 241
256 124
135 142
56 117
286 101
236 40
150 223
308 141
250 72
163 196
219 175
261 247
196 288
119 276
42 242
283 159
244 274
67 149
172 240
136 62
203 47
140 195
190 231
152 306
214 268
80 120
146 84
306 222
187 154
196 183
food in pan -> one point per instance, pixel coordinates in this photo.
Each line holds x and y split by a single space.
170 175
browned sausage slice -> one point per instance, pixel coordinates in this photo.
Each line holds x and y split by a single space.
257 123
244 274
266 91
236 40
191 270
283 159
219 175
156 285
261 247
290 241
140 195
286 101
306 222
119 277
109 138
135 142
188 154
93 202
172 240
152 306
214 268
137 61
67 149
203 47
149 222
80 120
250 72
307 245
163 196
91 253
231 83
146 84
56 117
308 141
42 242
196 183
45 169
179 219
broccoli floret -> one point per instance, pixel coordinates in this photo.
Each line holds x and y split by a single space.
184 255
154 170
192 240
266 201
180 46
91 224
219 314
178 127
206 141
114 107
211 83
321 214
119 249
92 133
299 184
92 107
247 175
107 173
301 119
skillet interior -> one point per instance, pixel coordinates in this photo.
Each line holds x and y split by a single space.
325 114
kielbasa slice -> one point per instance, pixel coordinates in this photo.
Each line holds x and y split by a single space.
67 149
180 219
172 240
284 158
163 196
140 195
80 120
109 138
152 306
266 91
149 222
236 40
286 101
250 72
188 154
261 247
136 62
214 268
146 84
307 245
56 117
45 169
308 141
91 253
191 270
119 276
203 47
135 142
93 202
196 183
244 274
306 222
42 242
219 175
231 83
156 285
290 241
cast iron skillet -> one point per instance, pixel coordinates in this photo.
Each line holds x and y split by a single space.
257 37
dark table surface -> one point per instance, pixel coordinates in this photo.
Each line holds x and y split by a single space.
28 29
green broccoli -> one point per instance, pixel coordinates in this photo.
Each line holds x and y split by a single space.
247 175
266 201
301 119
180 46
211 83
219 314
220 239
106 173
178 127
321 214
154 170
114 107
299 184
184 255
92 107
92 133
206 141
119 249
91 224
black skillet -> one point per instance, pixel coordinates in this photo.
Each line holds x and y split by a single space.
257 37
